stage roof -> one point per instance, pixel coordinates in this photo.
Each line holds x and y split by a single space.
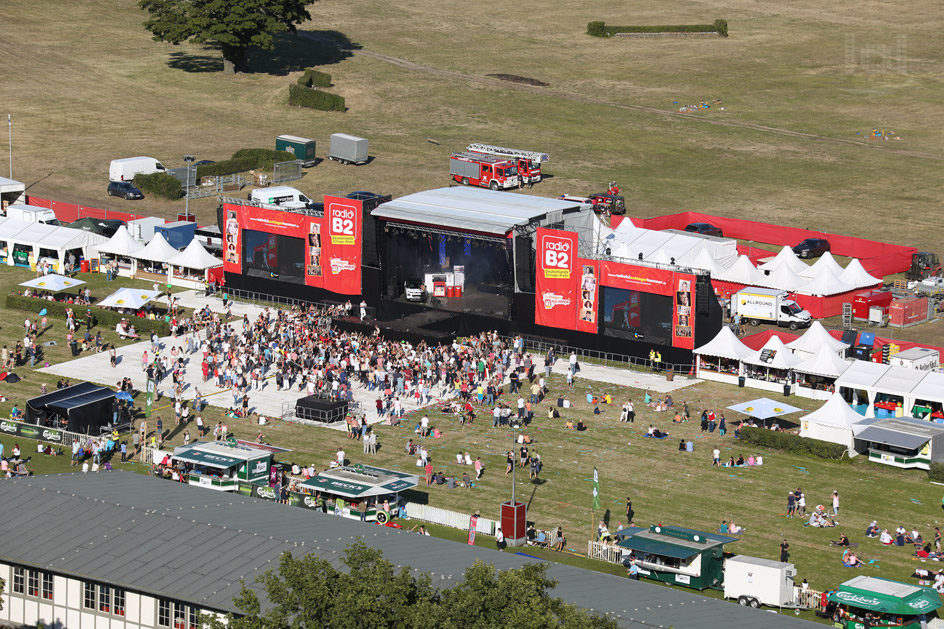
475 209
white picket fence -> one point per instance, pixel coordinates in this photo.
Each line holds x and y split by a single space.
604 552
454 519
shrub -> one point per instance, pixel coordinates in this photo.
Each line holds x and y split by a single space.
100 316
243 160
316 99
792 443
596 29
160 184
722 27
314 78
936 473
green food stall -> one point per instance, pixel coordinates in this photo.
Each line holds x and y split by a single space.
677 555
883 603
220 466
343 488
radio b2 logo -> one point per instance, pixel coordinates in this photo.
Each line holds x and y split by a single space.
557 254
342 224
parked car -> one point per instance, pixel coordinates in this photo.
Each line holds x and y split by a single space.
812 247
704 228
124 189
414 290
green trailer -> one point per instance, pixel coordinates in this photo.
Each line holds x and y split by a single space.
301 148
344 488
676 555
883 603
220 466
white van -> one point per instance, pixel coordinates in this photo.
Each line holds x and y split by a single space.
32 214
283 196
125 169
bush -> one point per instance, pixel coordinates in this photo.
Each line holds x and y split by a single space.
160 184
100 316
243 160
936 473
316 99
600 29
596 29
792 443
314 78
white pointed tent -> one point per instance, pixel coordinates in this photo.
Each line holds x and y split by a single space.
121 246
826 282
786 258
742 272
158 250
190 267
780 356
815 338
826 262
825 363
719 359
834 421
706 261
783 277
855 275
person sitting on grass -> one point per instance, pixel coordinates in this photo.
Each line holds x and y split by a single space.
569 424
842 541
734 529
581 426
873 530
851 560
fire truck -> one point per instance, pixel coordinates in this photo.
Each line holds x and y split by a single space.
529 162
487 171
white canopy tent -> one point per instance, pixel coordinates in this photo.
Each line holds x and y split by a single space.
29 243
778 356
858 381
892 392
813 339
826 263
157 250
855 275
817 374
122 247
826 282
719 359
52 282
189 267
832 422
707 262
128 298
783 277
786 258
930 391
743 272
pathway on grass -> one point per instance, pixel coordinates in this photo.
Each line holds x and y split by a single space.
583 98
268 401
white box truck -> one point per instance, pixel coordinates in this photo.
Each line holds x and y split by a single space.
769 305
755 582
125 169
32 214
920 358
347 149
283 196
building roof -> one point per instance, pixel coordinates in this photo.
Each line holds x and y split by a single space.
904 432
674 541
360 481
217 454
474 209
143 534
11 185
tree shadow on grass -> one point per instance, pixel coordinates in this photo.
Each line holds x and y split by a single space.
195 63
294 53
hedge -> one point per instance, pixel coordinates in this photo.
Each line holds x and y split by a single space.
160 184
600 29
316 99
314 78
792 443
243 160
100 316
936 473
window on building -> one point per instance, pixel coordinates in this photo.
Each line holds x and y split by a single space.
119 596
180 616
19 580
194 618
33 583
104 599
89 600
47 585
163 613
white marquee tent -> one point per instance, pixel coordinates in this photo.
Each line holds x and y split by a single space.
855 275
189 267
122 247
780 356
813 339
834 421
157 250
743 272
35 238
825 283
826 263
786 258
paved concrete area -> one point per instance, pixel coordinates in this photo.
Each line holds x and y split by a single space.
269 402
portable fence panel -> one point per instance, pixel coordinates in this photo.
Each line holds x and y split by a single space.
453 519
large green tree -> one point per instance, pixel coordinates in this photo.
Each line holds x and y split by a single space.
233 25
310 592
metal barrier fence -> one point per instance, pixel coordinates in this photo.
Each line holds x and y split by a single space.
604 552
811 599
278 300
453 519
287 171
41 433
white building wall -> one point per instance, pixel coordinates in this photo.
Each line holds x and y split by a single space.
62 594
133 607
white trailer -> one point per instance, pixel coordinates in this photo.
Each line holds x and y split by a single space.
347 149
770 305
32 214
755 582
920 358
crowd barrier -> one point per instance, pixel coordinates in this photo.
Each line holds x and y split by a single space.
40 433
453 519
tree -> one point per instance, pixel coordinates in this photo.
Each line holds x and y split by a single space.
233 25
311 592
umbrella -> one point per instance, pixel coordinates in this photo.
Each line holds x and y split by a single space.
53 282
132 298
764 408
124 395
42 313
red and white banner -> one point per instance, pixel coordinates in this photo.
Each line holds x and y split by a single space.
588 296
632 277
556 275
342 241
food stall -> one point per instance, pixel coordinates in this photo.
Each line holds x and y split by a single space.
677 555
220 466
345 487
876 602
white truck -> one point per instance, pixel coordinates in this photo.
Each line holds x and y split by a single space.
125 169
755 582
32 214
282 196
769 305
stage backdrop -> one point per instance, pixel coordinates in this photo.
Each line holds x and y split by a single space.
556 287
332 245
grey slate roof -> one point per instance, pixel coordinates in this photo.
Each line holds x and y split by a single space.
187 543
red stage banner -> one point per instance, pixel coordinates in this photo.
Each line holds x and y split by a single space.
588 296
683 316
555 299
641 278
341 253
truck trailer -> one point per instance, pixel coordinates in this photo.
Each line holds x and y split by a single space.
755 582
302 148
347 149
769 305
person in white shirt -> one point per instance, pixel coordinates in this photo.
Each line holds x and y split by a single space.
340 456
459 459
424 426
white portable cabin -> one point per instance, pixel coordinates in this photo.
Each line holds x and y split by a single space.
920 358
754 581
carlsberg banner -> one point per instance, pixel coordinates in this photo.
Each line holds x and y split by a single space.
29 431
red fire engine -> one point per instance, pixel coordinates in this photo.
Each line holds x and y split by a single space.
529 162
487 171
